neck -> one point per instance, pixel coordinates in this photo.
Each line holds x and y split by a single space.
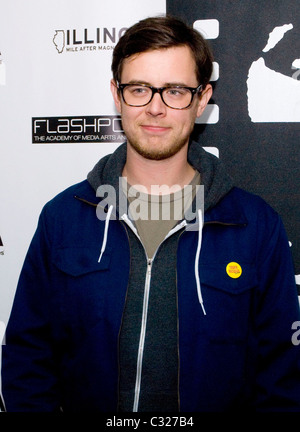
174 172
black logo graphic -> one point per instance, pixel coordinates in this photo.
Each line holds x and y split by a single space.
1 247
76 40
100 129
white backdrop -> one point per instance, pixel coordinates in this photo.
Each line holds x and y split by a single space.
55 61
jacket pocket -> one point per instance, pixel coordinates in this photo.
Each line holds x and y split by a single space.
228 299
82 284
79 261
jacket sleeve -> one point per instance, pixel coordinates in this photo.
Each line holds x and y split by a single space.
29 372
277 306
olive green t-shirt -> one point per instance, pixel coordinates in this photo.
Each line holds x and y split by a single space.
154 215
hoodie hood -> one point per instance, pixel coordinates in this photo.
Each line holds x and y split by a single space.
217 183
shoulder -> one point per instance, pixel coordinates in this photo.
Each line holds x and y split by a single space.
251 203
81 189
261 218
69 214
243 207
67 201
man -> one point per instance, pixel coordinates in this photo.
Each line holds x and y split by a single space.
117 309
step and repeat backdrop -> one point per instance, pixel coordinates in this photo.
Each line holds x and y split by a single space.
254 116
57 116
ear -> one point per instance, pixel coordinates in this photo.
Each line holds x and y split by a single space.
206 94
115 94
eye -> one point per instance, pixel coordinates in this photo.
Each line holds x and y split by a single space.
138 90
177 91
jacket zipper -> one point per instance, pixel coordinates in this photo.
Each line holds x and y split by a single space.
142 336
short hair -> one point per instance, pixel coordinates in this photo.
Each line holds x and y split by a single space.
163 32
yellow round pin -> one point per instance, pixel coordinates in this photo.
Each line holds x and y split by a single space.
234 270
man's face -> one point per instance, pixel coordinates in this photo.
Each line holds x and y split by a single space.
156 131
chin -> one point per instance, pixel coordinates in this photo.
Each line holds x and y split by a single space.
156 154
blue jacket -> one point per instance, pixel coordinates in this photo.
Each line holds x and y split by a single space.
62 339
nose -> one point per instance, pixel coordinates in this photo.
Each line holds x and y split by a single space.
156 107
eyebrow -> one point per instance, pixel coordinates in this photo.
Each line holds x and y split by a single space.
168 84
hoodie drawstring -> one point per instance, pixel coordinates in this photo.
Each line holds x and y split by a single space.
197 261
104 241
110 209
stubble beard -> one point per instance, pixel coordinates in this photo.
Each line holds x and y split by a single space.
157 152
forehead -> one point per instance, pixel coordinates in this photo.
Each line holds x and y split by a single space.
161 66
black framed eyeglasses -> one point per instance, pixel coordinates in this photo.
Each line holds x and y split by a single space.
176 97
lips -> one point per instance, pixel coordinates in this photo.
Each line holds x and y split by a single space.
155 128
